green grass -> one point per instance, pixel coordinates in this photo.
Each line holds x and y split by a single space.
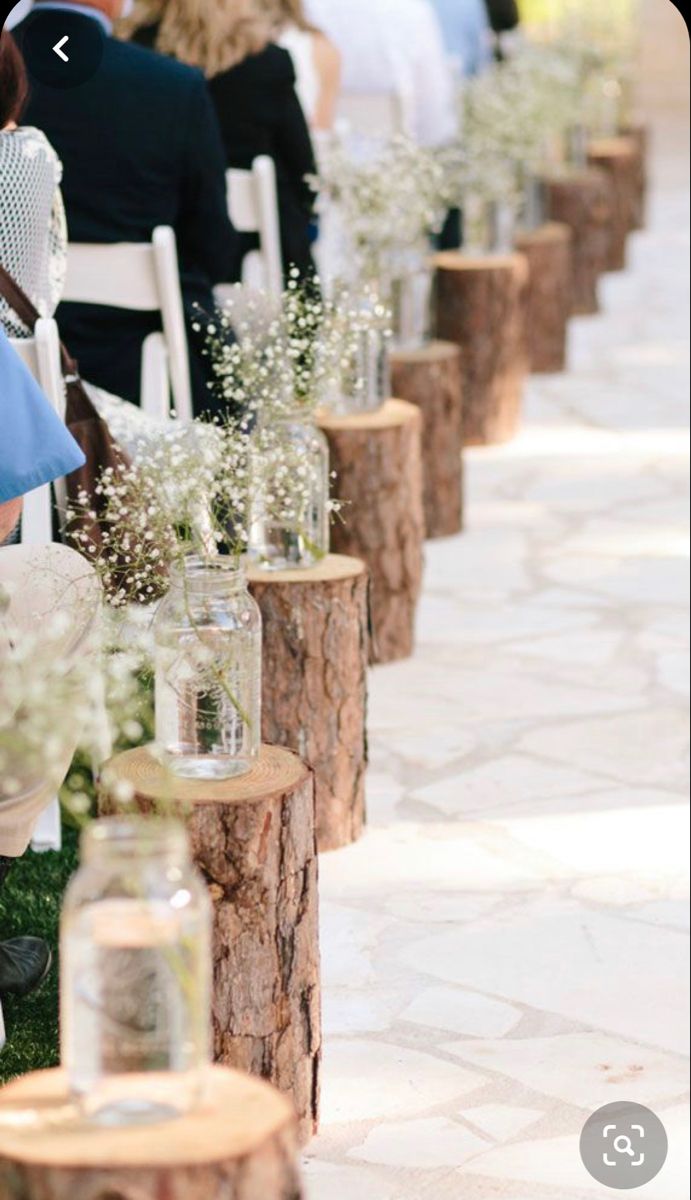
30 902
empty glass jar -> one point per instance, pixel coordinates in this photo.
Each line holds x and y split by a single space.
290 520
208 671
135 974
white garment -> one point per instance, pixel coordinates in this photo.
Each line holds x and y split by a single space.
33 233
394 46
300 45
33 250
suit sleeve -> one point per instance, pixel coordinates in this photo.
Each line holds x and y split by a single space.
211 243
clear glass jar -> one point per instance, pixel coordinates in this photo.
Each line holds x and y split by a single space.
290 519
409 293
135 974
576 139
489 225
365 377
207 632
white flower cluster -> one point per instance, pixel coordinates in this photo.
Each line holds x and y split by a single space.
48 703
187 494
388 206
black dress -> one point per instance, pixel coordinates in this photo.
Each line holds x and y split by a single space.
259 113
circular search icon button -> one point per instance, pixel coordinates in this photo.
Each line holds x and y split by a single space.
624 1145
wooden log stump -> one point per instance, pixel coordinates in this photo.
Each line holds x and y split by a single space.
252 838
582 200
617 157
240 1144
549 253
377 460
481 308
639 135
431 379
314 682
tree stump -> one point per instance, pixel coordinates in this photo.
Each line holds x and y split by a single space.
481 308
582 200
617 157
240 1144
252 838
431 379
640 137
549 254
377 461
314 682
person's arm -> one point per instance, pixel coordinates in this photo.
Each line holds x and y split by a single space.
327 61
209 241
10 513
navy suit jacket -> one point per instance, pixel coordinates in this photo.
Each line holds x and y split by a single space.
140 146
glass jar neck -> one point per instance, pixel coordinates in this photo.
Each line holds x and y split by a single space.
134 839
204 577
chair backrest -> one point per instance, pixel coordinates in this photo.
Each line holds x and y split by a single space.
41 354
142 276
253 208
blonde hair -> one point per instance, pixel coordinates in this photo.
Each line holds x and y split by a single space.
288 12
211 34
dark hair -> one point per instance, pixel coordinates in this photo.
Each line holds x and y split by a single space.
13 82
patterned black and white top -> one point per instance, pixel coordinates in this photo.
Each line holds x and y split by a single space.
33 232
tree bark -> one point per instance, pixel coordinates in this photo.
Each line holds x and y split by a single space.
430 378
240 1144
582 200
640 137
252 838
314 683
549 253
617 157
481 308
377 461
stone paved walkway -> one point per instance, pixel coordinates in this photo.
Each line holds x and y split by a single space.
505 949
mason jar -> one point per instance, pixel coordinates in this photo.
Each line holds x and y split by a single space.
207 632
135 974
408 290
576 139
290 510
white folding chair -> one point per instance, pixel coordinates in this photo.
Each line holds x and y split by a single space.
142 276
41 354
253 208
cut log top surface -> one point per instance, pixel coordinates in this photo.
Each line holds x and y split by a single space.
432 353
456 260
587 176
275 773
238 1115
331 569
612 147
551 231
391 414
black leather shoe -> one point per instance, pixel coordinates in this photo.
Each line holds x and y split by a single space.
24 964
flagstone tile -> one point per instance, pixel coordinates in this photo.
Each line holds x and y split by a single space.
330 1181
420 1145
639 748
556 1163
501 1122
585 1069
366 1080
467 1013
503 782
556 956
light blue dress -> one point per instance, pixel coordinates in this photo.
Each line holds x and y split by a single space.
35 446
467 34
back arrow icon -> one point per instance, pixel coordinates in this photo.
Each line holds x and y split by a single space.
58 49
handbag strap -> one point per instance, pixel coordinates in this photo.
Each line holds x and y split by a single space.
29 315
